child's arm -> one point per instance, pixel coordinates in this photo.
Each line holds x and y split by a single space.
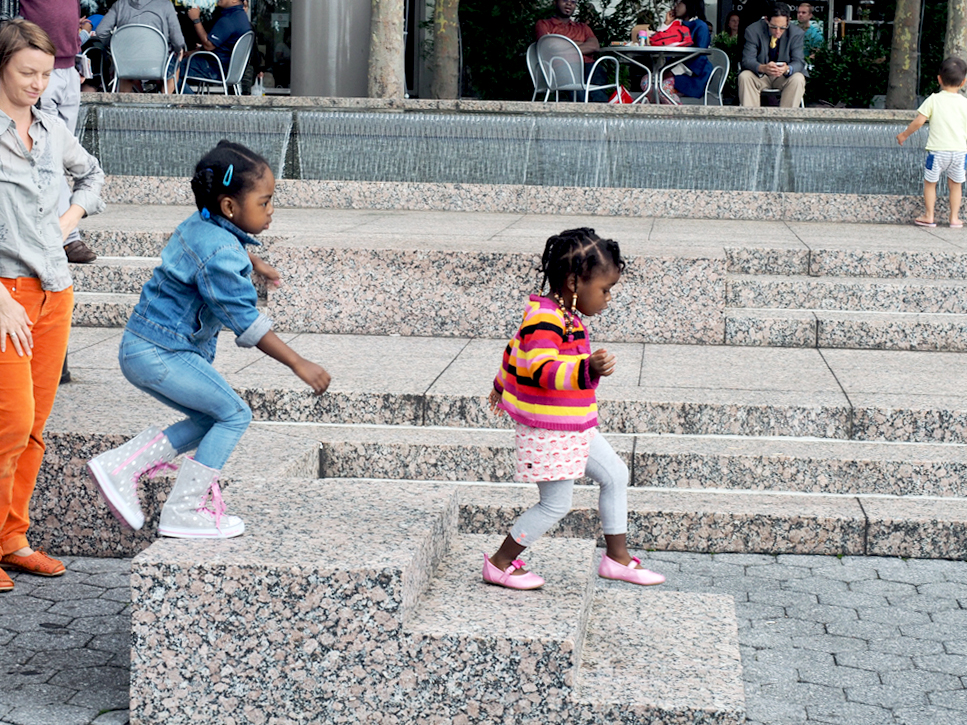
313 375
263 268
911 129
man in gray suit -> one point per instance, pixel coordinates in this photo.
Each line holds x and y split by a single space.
772 57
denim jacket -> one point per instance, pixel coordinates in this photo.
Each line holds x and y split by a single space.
202 284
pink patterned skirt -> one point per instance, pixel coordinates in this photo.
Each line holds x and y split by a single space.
551 455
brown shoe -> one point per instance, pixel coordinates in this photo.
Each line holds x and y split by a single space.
37 563
79 253
6 583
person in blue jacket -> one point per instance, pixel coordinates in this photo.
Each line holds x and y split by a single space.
695 72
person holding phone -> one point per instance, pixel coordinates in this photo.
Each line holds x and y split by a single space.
772 57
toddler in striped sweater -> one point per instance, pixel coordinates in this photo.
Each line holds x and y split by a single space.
546 384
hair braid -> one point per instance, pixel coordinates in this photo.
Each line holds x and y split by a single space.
576 252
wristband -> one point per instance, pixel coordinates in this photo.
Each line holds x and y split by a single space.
196 21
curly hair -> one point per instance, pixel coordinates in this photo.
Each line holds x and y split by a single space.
577 252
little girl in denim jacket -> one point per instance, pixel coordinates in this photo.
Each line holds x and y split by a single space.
202 285
546 385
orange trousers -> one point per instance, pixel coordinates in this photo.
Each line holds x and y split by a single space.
28 386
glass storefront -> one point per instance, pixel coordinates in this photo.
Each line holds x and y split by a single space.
273 41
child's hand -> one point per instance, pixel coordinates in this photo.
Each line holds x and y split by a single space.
315 376
900 138
602 363
494 401
263 268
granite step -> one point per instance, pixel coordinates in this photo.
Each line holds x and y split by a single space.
103 309
515 651
655 461
744 521
657 656
856 330
117 275
841 293
307 609
862 395
858 252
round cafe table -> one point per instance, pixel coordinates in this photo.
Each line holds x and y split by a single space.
652 58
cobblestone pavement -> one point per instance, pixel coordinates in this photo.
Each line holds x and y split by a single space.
847 641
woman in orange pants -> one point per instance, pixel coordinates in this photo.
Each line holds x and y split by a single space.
36 296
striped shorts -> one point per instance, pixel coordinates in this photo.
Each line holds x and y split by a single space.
954 163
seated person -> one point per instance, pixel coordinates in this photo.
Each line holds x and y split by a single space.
812 28
689 78
563 24
159 14
772 57
231 25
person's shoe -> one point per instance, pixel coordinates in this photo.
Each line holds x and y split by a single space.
117 472
610 569
6 583
506 578
65 374
79 253
37 563
194 509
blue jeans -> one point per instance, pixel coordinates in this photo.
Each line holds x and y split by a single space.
203 67
217 417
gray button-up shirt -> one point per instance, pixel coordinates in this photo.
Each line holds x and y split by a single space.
31 244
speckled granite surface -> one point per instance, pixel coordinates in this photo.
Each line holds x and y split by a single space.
524 199
286 622
664 669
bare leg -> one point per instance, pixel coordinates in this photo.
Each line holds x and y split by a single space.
929 200
508 551
955 196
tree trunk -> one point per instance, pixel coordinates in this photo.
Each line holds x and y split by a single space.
902 90
446 49
956 43
387 76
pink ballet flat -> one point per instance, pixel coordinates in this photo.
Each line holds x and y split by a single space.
493 575
610 569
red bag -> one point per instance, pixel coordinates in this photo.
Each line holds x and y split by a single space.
625 97
675 34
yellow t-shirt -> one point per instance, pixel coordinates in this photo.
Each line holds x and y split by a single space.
947 113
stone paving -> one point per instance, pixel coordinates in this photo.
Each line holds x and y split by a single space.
845 641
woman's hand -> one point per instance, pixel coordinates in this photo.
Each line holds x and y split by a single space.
315 376
69 220
263 268
602 363
15 323
494 400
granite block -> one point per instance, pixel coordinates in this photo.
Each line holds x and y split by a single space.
930 259
770 328
93 309
667 657
301 619
469 640
807 466
697 521
886 331
921 528
118 275
833 293
779 257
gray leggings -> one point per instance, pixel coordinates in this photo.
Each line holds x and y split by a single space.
603 466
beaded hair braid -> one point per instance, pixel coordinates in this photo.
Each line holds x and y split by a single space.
575 253
229 169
